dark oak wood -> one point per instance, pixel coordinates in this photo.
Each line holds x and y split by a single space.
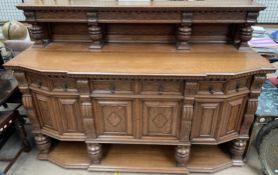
143 158
107 73
116 21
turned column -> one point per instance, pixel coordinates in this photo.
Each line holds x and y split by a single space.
238 147
43 143
182 155
95 31
35 30
184 32
246 30
95 152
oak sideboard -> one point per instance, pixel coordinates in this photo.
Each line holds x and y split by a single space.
156 86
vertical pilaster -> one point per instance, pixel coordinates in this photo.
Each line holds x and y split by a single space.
43 142
86 107
238 146
183 152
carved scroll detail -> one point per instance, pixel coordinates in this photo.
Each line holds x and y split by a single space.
252 105
186 121
95 31
184 31
246 30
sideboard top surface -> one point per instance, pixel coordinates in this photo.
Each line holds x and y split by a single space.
143 60
141 4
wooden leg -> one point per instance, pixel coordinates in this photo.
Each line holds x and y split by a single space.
19 123
182 155
95 152
43 143
237 149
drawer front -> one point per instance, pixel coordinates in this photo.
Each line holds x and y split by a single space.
210 87
64 85
39 81
112 87
161 87
237 85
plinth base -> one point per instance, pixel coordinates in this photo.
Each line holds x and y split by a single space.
140 158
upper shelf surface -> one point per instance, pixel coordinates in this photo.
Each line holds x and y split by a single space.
141 3
144 60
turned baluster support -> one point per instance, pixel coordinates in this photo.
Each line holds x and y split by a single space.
95 31
246 31
182 155
95 152
35 30
237 149
43 143
184 32
239 146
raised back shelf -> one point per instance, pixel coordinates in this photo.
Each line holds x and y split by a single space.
178 22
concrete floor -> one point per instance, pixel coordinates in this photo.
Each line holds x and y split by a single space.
27 164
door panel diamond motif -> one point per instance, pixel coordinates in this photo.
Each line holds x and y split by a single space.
160 119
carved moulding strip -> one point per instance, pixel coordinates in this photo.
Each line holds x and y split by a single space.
147 77
95 31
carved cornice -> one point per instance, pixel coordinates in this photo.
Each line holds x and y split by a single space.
127 76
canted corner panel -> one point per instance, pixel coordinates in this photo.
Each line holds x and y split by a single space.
161 119
114 118
205 121
46 115
232 115
70 115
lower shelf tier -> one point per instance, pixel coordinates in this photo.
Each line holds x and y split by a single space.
140 158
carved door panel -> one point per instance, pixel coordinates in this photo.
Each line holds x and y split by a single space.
70 115
114 118
206 115
161 119
46 111
233 111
